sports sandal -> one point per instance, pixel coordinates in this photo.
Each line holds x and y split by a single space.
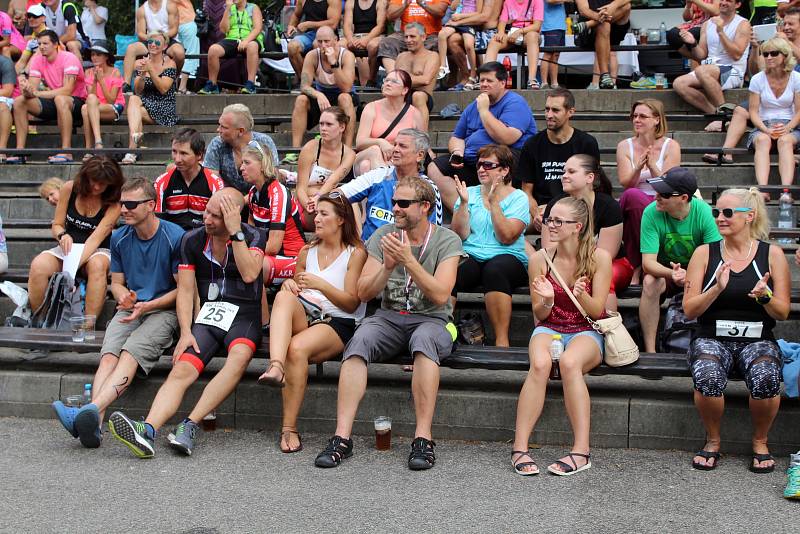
422 455
338 449
708 455
284 438
762 458
570 469
714 159
266 380
520 466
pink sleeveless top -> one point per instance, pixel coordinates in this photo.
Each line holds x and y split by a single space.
379 124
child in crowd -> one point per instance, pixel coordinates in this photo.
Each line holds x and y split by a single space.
554 31
456 21
520 25
50 190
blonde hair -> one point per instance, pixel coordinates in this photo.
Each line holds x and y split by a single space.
264 156
752 198
781 45
582 213
245 116
657 108
51 184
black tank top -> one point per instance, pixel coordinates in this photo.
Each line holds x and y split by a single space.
80 227
365 19
315 11
733 304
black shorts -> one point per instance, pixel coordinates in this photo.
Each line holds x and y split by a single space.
50 113
344 328
554 37
246 329
468 173
618 32
333 96
231 47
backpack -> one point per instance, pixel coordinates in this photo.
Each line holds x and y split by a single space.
678 331
62 301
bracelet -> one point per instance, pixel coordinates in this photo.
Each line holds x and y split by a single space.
60 235
550 306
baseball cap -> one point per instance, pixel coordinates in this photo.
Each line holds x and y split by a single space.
37 10
100 45
676 180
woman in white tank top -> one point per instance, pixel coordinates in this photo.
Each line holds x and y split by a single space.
315 313
648 154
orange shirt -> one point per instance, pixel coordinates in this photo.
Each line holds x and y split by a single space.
414 13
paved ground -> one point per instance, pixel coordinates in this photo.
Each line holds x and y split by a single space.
239 482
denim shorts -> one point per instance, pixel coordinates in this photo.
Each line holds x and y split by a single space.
751 137
306 39
566 338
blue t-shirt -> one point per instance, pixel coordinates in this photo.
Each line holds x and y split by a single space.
555 17
512 110
219 157
377 186
3 244
149 266
482 244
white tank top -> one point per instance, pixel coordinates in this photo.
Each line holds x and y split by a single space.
333 274
717 53
156 21
644 174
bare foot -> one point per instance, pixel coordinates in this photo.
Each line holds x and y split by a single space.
715 126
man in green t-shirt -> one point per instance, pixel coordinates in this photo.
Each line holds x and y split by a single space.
672 227
413 264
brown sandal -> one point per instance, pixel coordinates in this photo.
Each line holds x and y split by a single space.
270 381
284 437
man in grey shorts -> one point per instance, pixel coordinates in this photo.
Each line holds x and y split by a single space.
144 262
413 263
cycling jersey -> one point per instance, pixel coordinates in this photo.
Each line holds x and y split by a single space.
274 208
182 203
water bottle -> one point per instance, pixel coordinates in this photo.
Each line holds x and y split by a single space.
785 214
507 65
663 34
87 394
556 350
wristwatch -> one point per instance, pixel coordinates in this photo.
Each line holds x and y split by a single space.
238 236
60 235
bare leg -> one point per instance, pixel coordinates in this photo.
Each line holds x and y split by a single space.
96 284
352 386
710 410
295 52
288 318
64 118
763 412
652 288
113 377
252 61
224 382
531 398
709 78
299 119
215 52
498 307
345 101
424 387
786 162
420 101
5 125
763 144
170 394
42 267
128 64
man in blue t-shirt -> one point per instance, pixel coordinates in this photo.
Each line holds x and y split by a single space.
377 186
144 262
498 116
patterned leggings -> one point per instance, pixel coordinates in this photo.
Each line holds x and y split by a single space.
758 362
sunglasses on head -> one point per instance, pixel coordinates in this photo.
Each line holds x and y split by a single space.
333 195
404 202
156 42
771 53
133 204
487 165
727 212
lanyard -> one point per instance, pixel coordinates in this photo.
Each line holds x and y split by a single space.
409 281
213 288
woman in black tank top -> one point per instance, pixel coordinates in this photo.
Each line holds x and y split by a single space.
737 288
87 210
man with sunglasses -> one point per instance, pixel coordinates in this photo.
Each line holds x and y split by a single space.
221 263
412 264
144 265
672 227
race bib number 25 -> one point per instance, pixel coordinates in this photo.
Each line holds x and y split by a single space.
219 314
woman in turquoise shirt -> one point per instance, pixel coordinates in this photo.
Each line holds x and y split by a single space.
490 218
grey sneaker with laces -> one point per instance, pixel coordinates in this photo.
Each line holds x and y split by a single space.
183 439
606 81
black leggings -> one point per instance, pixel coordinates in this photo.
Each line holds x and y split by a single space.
502 273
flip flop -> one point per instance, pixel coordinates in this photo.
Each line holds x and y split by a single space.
59 159
15 160
708 455
762 458
714 159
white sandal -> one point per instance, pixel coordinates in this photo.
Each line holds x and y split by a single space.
129 159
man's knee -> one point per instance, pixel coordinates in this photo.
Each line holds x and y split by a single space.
420 98
294 48
97 266
302 103
62 101
239 356
345 101
653 286
215 51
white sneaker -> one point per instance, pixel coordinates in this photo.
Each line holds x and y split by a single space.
443 72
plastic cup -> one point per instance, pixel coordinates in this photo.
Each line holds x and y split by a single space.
88 327
383 433
643 37
661 80
773 133
209 422
78 326
73 400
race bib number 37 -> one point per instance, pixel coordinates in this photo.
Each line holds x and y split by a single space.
219 314
743 329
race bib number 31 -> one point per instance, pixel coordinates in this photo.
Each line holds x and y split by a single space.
743 329
219 314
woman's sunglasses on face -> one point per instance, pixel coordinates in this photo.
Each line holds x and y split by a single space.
156 42
727 212
487 165
771 53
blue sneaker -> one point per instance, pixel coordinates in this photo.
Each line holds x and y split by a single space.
87 425
183 439
66 414
136 435
792 490
249 88
209 88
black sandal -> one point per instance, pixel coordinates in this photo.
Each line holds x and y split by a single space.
422 455
337 450
708 455
762 458
571 469
519 466
285 433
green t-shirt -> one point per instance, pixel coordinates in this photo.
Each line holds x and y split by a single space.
443 244
674 240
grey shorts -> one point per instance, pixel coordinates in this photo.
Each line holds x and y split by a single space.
393 44
389 334
145 338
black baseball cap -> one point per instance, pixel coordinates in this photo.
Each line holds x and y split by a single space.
101 46
678 180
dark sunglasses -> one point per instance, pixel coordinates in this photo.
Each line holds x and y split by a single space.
771 53
404 202
32 16
488 165
156 42
131 205
727 212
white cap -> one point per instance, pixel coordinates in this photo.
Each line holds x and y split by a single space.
37 10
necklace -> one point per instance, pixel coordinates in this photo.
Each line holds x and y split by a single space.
749 250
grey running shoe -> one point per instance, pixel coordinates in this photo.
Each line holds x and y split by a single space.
133 434
606 81
183 439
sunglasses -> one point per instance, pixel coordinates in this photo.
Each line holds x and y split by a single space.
133 204
557 223
771 53
394 81
727 212
488 165
333 195
32 16
404 202
156 42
